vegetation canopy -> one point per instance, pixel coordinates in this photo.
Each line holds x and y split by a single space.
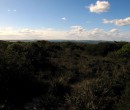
64 76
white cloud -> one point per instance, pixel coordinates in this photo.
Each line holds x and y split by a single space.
118 22
114 30
77 29
24 34
99 7
64 19
75 33
11 11
79 33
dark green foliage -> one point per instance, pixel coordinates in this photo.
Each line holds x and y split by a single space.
124 102
64 76
124 52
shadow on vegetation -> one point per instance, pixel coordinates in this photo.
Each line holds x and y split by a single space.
63 76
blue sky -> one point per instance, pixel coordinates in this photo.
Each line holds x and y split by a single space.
64 19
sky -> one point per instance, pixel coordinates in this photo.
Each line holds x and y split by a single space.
65 20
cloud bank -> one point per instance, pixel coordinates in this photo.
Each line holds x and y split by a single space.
99 7
75 33
118 22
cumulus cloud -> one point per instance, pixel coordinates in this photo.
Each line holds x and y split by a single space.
64 19
26 34
99 7
80 33
118 22
77 29
75 33
114 30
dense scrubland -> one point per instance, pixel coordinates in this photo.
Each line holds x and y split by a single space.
64 76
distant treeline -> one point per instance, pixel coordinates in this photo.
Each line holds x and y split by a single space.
46 75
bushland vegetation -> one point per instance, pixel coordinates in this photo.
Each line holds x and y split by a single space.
64 76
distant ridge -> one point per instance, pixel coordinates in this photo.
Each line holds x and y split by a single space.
71 41
80 41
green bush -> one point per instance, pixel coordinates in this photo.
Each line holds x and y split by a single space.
124 52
